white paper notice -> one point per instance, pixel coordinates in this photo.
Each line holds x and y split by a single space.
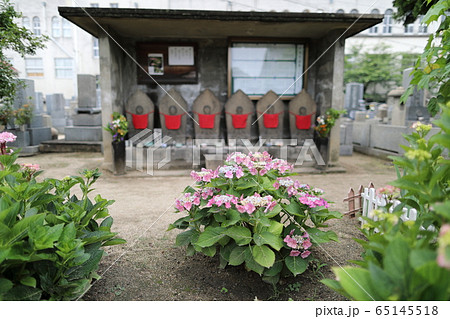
181 55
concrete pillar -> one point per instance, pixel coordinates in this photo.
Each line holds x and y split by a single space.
109 84
337 98
329 84
118 81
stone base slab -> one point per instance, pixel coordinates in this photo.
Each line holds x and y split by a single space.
83 133
86 119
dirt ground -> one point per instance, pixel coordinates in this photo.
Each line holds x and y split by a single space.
150 267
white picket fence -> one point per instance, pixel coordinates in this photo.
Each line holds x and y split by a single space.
370 202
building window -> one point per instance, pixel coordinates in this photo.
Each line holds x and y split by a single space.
387 21
94 5
374 29
423 28
257 68
26 22
34 67
95 47
63 68
56 27
409 28
340 11
36 26
66 28
354 11
114 5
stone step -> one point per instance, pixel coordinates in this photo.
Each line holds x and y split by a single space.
63 146
29 151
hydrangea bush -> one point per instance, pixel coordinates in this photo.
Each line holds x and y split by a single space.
51 240
250 211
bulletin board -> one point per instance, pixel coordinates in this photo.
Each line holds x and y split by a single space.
167 63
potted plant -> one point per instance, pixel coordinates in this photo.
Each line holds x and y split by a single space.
118 128
23 116
323 127
6 113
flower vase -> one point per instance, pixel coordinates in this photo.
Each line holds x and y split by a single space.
119 157
322 145
22 127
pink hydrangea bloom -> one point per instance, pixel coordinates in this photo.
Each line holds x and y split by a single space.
237 157
388 190
206 192
239 172
186 201
294 253
289 184
6 137
305 254
291 242
250 203
299 244
312 201
229 171
205 175
32 167
444 243
220 200
306 244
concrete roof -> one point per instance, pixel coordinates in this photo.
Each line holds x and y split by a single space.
156 23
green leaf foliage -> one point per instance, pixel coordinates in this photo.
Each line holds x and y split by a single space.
297 265
50 241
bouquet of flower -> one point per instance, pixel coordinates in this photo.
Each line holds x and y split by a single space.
251 212
326 122
118 127
23 114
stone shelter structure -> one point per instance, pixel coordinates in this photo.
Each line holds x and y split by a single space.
188 52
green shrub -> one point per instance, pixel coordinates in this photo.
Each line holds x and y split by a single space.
50 240
408 260
250 212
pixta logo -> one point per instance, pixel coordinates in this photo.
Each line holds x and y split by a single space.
149 150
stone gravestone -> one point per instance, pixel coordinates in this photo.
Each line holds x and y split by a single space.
269 111
173 116
302 116
25 94
39 103
354 93
416 103
139 112
55 108
40 129
87 91
87 122
398 114
346 137
207 111
239 111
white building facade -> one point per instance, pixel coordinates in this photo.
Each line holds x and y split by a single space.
71 51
